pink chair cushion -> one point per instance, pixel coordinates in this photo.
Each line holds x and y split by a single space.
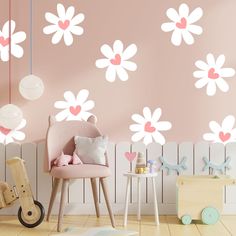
80 171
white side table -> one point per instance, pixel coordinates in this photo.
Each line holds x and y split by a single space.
129 175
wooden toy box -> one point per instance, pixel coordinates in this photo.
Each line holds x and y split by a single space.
201 197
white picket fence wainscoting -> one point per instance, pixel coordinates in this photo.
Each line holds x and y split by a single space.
79 198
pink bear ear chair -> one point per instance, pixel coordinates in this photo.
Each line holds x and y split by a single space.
63 167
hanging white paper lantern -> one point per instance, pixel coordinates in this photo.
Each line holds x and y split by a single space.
31 87
10 116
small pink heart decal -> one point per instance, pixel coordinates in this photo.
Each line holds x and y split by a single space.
5 131
4 42
149 128
75 110
64 25
130 156
224 136
116 60
182 24
212 74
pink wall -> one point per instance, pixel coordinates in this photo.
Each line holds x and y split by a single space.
164 76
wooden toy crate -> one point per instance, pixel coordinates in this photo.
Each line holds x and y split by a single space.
201 197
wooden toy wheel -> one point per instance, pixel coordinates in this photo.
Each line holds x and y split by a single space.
186 219
210 215
34 221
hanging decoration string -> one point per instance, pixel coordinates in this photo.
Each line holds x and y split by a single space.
9 67
31 87
31 35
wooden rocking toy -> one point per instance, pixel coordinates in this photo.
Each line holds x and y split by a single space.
31 212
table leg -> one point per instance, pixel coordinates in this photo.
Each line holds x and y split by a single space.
139 199
127 200
155 201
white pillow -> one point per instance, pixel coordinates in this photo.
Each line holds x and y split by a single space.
91 150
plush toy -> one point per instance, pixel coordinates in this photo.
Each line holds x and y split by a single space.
152 166
65 160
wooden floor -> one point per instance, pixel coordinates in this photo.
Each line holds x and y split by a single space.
169 225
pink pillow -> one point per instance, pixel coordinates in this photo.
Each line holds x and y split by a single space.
65 160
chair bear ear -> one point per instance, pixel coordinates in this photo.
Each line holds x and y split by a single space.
92 119
52 120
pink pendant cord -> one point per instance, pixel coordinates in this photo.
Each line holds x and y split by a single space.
9 68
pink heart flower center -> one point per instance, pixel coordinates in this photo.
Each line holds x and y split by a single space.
149 128
4 130
64 24
130 156
4 42
75 110
212 74
116 60
224 136
182 24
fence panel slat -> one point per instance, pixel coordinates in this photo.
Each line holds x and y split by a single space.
122 166
138 147
169 181
2 162
231 190
217 154
201 150
88 194
186 151
76 191
12 150
44 181
154 151
111 151
28 152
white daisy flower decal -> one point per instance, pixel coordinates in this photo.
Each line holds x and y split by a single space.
116 60
16 38
64 25
148 126
224 133
212 74
74 107
10 135
182 24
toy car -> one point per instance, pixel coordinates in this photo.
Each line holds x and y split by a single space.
201 197
31 213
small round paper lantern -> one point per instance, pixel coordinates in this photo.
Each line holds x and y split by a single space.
10 116
31 87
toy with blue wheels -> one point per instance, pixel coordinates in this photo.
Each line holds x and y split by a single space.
186 219
210 215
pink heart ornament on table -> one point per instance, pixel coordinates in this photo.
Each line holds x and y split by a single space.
130 156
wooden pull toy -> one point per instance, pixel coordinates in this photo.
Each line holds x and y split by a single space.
201 197
31 213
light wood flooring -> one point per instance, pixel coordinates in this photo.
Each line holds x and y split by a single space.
169 225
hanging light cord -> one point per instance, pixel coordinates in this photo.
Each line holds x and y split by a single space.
9 68
31 33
